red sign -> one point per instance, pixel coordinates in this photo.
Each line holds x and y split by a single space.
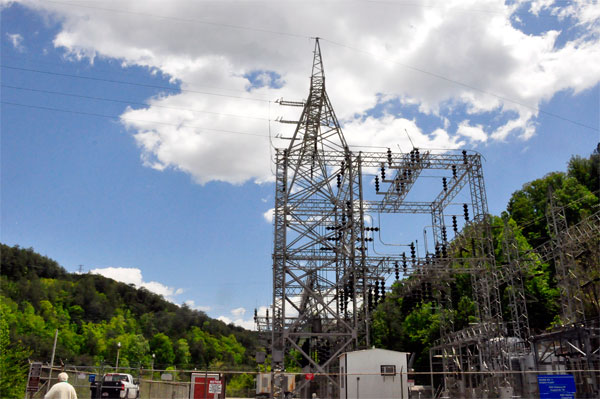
309 376
206 386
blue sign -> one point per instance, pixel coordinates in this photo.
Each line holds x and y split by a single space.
92 378
556 386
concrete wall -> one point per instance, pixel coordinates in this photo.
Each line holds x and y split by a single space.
148 389
164 390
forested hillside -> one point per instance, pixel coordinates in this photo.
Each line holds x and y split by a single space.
93 313
412 324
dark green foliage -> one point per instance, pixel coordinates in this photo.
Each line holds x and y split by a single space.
586 171
93 313
13 362
577 190
19 263
162 347
240 386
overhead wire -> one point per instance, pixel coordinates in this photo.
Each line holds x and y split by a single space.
128 102
131 119
240 27
97 66
124 82
181 19
413 4
468 86
461 10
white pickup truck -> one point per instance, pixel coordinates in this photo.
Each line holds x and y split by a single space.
116 386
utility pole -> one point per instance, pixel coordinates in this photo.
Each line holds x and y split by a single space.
52 361
118 350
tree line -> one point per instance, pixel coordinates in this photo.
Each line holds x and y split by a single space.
93 314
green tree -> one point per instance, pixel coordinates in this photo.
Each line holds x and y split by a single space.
240 386
586 170
182 353
93 313
162 347
135 349
13 362
529 205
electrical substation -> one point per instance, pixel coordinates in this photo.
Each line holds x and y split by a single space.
335 257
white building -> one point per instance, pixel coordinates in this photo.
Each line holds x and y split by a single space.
373 374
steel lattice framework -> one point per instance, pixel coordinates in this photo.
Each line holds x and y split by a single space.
327 276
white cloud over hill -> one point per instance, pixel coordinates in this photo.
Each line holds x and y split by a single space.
132 275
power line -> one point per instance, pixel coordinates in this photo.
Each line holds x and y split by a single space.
265 100
115 117
456 82
124 82
303 2
462 10
129 102
37 62
132 119
232 26
180 19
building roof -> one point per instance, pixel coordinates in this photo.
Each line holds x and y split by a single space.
373 350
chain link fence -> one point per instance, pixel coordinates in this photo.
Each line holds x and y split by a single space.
183 384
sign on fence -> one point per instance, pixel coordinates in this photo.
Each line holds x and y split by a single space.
215 387
560 386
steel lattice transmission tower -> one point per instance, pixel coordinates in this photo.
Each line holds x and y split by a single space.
318 221
329 271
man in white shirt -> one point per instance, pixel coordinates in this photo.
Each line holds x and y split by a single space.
62 389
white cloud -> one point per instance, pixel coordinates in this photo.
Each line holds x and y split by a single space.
522 122
269 215
473 133
132 275
402 53
238 317
247 324
585 12
238 312
388 129
192 305
17 41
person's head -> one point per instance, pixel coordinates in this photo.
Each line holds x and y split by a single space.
62 377
314 395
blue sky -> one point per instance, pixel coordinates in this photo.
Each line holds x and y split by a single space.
173 194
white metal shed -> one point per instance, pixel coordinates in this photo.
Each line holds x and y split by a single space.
373 374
